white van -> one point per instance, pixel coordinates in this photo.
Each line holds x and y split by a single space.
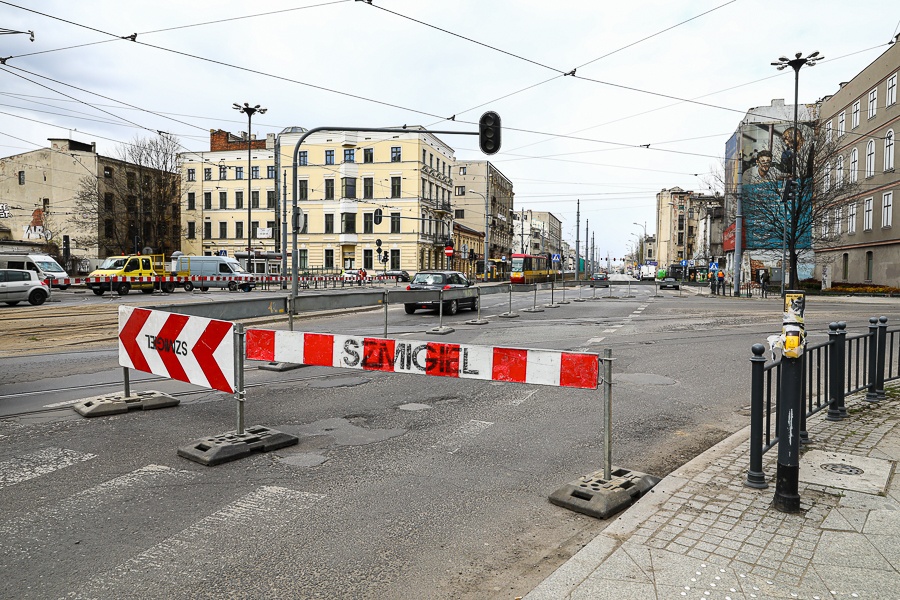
42 264
229 271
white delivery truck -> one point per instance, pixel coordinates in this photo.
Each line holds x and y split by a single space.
226 272
42 264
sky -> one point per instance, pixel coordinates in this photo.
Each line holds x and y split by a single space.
606 103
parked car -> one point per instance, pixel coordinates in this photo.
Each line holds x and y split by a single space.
441 280
350 275
668 284
17 285
600 280
397 274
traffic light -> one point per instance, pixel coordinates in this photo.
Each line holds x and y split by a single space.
489 132
790 191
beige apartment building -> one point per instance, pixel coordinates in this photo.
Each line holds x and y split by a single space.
536 232
477 183
215 189
863 116
688 227
358 188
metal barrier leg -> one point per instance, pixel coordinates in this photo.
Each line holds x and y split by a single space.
239 392
385 301
534 308
552 303
607 414
510 314
755 476
440 329
478 320
127 381
787 477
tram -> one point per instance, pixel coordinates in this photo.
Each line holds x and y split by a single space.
531 268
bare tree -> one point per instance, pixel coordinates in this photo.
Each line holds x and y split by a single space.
135 202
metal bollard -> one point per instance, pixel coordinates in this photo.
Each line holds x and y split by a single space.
842 358
835 373
872 347
790 404
755 476
882 348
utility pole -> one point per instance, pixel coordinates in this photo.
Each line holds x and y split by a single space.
587 253
577 230
593 254
522 231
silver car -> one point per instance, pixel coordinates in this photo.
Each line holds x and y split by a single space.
17 285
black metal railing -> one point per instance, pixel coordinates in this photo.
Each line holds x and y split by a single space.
844 364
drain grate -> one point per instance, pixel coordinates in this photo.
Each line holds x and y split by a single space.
842 469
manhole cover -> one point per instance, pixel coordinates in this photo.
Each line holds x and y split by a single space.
842 469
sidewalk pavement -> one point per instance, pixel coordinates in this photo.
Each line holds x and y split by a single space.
702 534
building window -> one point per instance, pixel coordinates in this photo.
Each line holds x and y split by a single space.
870 158
239 230
192 175
828 132
329 157
349 155
395 222
302 158
191 230
839 172
254 199
424 152
305 229
348 222
223 230
223 200
826 180
329 189
207 200
107 172
826 223
873 102
270 171
395 153
838 219
368 223
867 215
891 90
329 223
239 199
254 172
191 201
460 190
459 213
329 258
254 228
303 189
889 150
223 172
851 218
845 267
368 263
854 165
887 209
870 265
348 187
462 170
395 259
303 256
854 115
841 121
207 230
395 187
368 188
368 155
270 198
239 172
207 174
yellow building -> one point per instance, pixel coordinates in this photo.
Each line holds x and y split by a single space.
215 199
358 188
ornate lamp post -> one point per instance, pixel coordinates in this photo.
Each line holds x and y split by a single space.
249 111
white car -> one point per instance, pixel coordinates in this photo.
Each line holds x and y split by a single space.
17 285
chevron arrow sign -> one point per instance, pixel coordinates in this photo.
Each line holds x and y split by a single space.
190 349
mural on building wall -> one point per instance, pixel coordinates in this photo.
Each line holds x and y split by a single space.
768 152
35 229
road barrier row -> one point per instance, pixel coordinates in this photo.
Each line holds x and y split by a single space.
217 278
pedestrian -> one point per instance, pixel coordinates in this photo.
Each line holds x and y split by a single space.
764 283
721 279
362 276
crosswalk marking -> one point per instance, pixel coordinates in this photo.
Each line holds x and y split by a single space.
42 462
454 442
208 551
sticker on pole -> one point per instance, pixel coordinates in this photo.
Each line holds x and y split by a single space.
190 349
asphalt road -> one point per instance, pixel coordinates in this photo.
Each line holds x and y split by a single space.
402 486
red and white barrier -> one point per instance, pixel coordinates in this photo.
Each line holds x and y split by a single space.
190 349
201 279
465 361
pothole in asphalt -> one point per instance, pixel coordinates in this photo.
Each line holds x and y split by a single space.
414 406
338 382
643 379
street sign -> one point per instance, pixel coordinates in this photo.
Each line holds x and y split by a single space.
713 265
683 262
690 263
556 258
449 251
190 349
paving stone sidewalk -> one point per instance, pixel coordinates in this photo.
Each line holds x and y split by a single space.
702 534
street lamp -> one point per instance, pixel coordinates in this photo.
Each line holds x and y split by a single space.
487 233
796 63
249 111
643 239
